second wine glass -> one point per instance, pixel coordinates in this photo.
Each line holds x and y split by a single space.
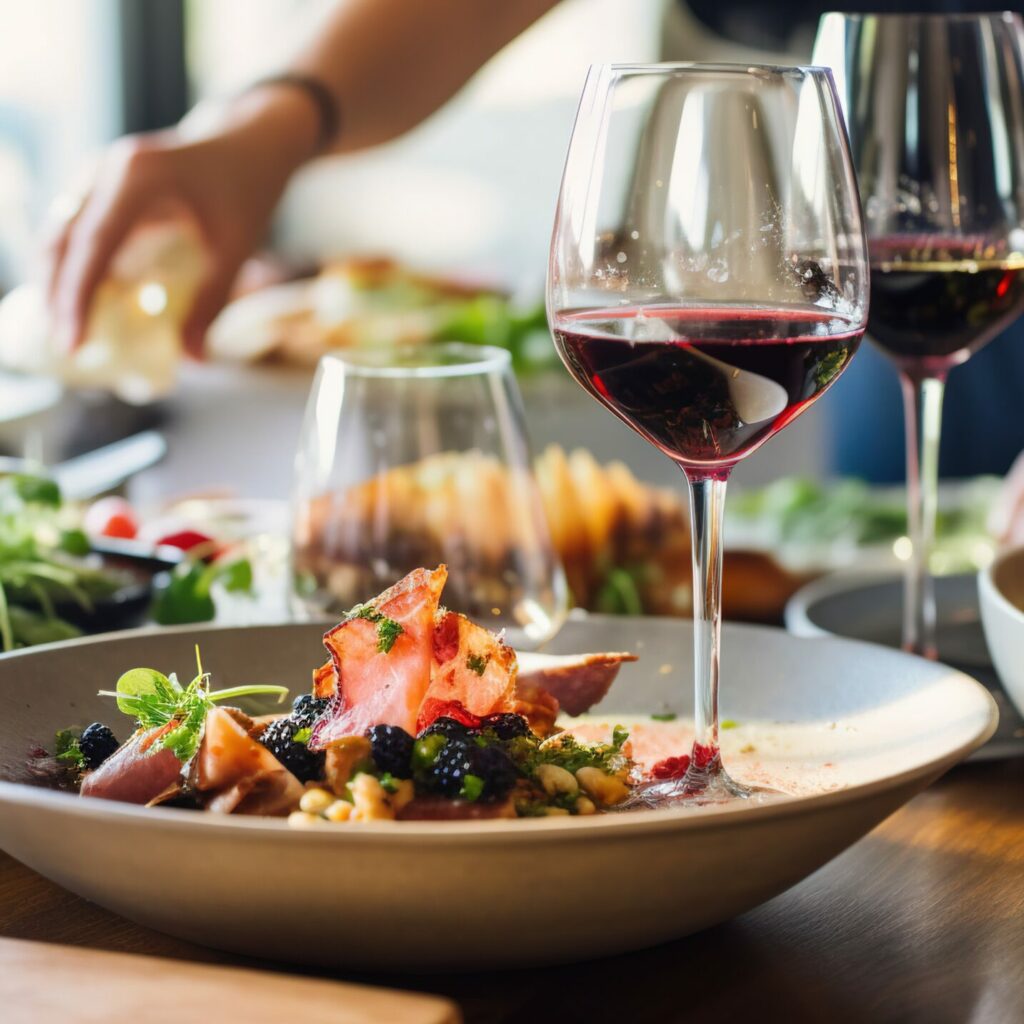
707 282
935 107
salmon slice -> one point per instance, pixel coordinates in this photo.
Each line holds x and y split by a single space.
470 667
325 681
376 684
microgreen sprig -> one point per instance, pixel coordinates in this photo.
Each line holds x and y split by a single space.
157 701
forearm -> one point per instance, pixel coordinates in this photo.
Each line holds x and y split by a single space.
391 63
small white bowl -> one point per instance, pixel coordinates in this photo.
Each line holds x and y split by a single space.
1001 595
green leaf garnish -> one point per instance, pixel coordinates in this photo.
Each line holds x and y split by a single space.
388 631
302 735
67 749
664 716
729 723
476 663
75 542
157 701
619 736
388 782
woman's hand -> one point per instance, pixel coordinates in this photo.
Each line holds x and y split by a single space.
226 180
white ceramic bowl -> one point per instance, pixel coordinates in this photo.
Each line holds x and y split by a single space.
1001 594
880 725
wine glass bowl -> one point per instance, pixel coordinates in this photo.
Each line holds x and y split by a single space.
707 283
935 109
419 456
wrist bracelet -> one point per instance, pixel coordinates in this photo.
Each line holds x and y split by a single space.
326 105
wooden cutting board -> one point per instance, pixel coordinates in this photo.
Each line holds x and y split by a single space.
40 983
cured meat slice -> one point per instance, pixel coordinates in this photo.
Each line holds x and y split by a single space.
382 658
136 772
470 667
238 774
576 681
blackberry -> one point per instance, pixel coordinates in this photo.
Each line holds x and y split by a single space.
495 767
305 764
450 728
391 749
97 744
507 726
307 709
453 764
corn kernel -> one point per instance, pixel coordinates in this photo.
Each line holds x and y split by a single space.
316 801
340 810
584 805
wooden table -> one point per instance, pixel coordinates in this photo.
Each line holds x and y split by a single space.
923 920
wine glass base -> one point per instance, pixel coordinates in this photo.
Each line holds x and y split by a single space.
697 788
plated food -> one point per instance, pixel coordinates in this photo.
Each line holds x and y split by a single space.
372 302
418 713
504 891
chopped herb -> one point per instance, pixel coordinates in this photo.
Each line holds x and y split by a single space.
388 631
665 716
37 490
67 751
425 750
302 735
619 736
472 787
477 663
729 723
388 782
156 701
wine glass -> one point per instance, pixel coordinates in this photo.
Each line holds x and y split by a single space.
707 282
417 456
935 108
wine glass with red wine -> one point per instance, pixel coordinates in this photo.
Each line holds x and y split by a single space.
708 281
935 108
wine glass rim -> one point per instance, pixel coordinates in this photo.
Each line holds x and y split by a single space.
715 67
435 360
923 15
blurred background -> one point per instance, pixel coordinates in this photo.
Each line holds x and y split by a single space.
442 234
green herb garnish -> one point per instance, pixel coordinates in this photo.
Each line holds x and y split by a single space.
158 701
388 782
388 631
67 750
302 735
664 716
729 723
476 663
472 787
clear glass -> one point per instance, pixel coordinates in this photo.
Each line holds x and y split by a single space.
415 457
935 108
707 282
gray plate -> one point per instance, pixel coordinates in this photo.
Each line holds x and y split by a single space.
870 607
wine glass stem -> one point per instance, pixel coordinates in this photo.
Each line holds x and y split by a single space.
707 504
922 403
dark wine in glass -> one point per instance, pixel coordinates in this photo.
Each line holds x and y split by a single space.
708 281
935 110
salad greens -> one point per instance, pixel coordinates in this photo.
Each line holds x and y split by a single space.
41 566
159 701
796 509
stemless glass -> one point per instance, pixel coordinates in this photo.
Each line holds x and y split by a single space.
707 282
935 108
415 457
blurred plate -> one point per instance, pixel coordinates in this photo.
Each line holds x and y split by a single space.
863 606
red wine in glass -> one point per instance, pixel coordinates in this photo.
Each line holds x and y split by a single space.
934 302
706 385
